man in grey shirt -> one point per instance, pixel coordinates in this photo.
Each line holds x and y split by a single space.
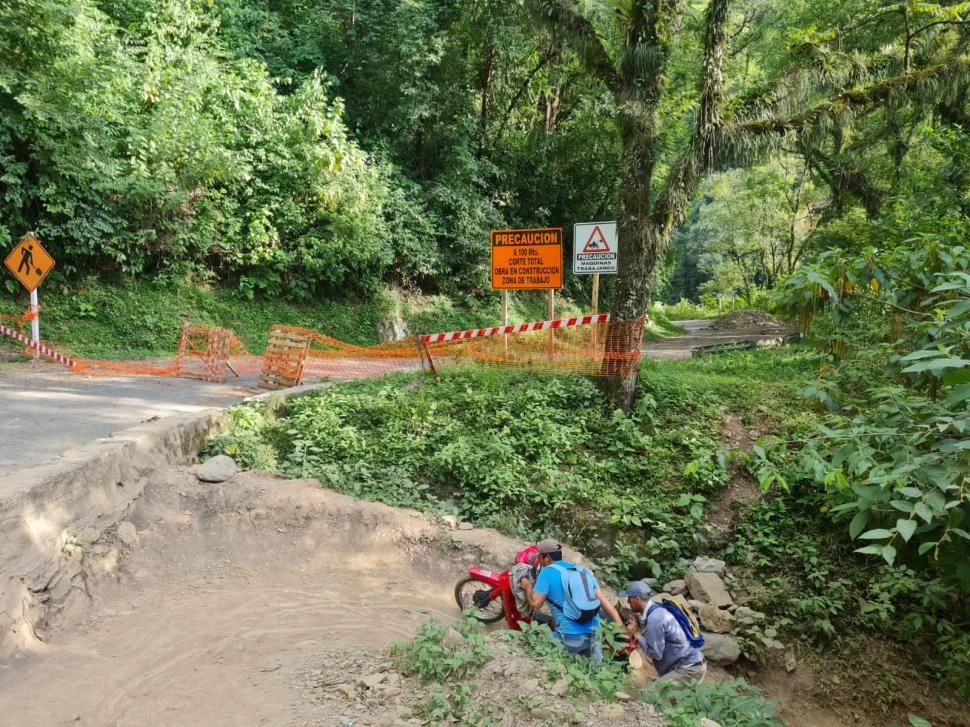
662 638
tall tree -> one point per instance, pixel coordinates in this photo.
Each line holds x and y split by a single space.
654 191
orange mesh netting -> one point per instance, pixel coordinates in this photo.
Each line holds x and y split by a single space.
207 353
586 345
599 347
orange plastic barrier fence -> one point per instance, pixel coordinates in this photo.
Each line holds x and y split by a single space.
587 345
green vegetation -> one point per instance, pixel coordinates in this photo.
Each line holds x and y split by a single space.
733 703
450 666
97 320
530 454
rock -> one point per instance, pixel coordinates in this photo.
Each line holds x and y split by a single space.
559 688
748 615
347 690
452 639
705 722
542 711
127 534
465 526
676 588
530 685
704 564
623 697
695 605
709 588
613 712
790 662
372 680
216 469
715 620
450 520
720 650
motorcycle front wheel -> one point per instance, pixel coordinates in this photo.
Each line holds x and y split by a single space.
473 596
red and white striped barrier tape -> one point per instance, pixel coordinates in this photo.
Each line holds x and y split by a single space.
517 328
40 347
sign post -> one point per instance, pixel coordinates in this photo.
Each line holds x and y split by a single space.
30 262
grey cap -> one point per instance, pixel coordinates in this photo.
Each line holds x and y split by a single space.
639 589
548 546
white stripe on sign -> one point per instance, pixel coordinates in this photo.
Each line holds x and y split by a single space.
41 348
515 328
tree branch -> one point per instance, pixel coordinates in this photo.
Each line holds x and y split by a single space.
682 183
562 17
861 99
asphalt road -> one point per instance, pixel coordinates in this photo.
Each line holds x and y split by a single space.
46 411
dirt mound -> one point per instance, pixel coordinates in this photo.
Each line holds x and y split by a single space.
364 688
208 602
750 320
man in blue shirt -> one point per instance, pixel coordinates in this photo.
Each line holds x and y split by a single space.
662 638
578 638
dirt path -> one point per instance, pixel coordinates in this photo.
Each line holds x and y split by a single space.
700 335
229 593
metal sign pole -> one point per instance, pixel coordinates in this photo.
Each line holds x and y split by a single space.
35 321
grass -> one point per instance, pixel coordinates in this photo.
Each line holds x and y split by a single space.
530 454
93 319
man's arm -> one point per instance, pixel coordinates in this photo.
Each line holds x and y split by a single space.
653 640
609 607
535 600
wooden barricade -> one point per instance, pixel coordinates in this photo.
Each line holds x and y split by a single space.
204 353
284 359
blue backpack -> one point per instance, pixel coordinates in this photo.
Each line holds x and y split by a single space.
685 618
579 586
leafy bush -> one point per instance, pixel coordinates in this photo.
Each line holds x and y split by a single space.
733 703
429 658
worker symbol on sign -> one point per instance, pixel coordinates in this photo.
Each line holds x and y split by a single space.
27 260
597 241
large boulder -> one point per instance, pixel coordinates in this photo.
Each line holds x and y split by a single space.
714 619
216 469
703 564
709 588
720 650
676 588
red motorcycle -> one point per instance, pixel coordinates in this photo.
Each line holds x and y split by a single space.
487 595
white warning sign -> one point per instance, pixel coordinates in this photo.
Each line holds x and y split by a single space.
594 248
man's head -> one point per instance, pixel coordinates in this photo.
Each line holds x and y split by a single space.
637 593
549 551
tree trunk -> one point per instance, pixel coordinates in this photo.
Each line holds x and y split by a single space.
639 248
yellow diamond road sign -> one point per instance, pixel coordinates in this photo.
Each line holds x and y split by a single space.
29 262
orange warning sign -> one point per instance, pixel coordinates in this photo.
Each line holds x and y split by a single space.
29 262
527 259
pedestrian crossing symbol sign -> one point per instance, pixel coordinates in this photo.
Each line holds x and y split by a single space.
594 248
29 262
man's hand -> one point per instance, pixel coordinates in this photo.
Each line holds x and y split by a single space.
525 584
